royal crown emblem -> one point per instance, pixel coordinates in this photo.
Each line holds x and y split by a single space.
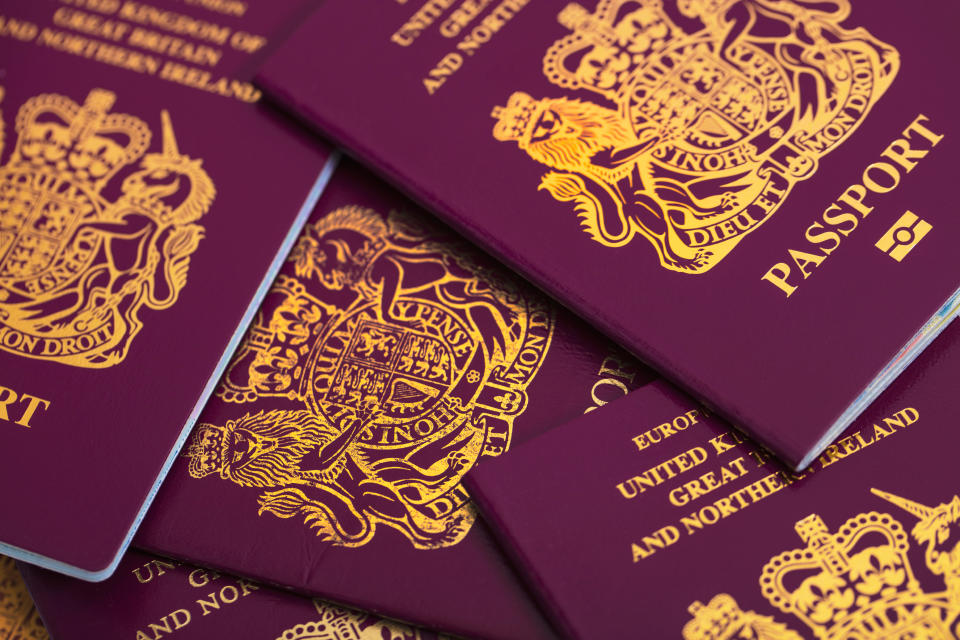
76 267
336 623
855 583
694 139
400 360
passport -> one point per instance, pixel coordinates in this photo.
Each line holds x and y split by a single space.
745 194
653 504
19 619
142 219
151 598
389 361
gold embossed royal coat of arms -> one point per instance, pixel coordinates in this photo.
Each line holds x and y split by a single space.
693 136
78 263
386 362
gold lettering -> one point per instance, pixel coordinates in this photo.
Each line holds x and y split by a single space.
175 47
247 587
33 403
18 29
818 235
871 177
462 16
777 275
663 431
247 42
916 127
209 604
707 483
420 21
447 66
7 397
878 177
802 259
867 436
90 24
660 539
27 406
720 443
900 152
853 198
658 474
174 22
201 577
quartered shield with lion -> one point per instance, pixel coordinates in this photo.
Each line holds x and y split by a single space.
403 358
693 139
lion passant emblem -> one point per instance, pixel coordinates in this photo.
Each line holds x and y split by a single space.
383 369
77 267
694 139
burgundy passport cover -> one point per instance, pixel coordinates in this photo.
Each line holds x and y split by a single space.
152 598
748 195
650 506
389 360
141 215
19 619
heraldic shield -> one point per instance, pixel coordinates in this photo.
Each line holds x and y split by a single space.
76 268
856 583
694 139
403 357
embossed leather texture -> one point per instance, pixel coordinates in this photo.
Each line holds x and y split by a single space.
650 505
391 359
140 220
152 597
722 187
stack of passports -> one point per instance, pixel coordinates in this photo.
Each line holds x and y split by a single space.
388 361
136 242
289 382
655 504
747 195
151 598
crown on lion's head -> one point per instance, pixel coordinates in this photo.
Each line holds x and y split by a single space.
718 620
261 449
562 133
723 619
515 120
207 451
528 122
